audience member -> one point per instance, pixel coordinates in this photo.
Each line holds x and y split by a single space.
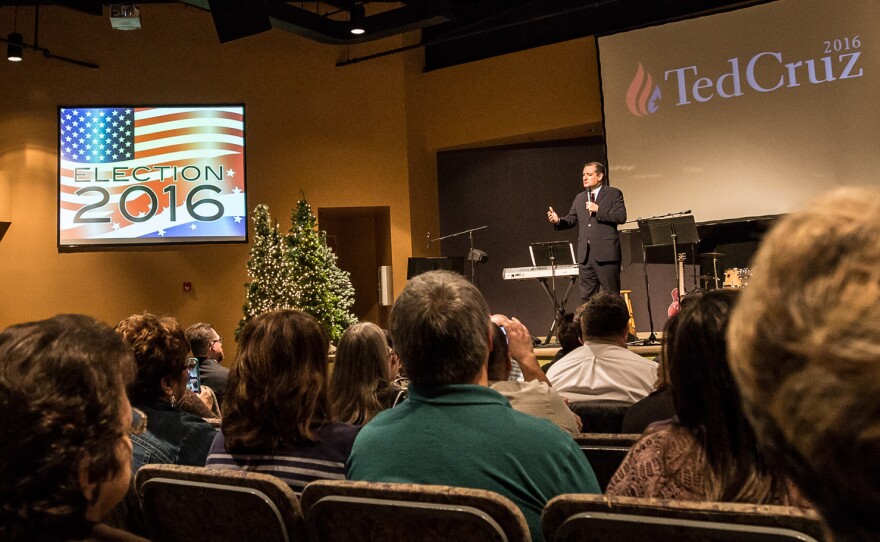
524 362
453 429
204 404
709 452
533 398
161 353
362 382
805 349
277 417
569 336
207 347
401 381
603 368
65 453
657 406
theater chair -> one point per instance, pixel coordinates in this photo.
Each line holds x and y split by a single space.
127 515
600 416
343 511
605 452
182 504
587 518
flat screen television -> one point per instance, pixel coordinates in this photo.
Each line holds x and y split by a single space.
151 175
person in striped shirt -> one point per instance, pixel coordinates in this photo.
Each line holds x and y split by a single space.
276 416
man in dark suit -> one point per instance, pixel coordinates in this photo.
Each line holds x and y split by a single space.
207 347
596 211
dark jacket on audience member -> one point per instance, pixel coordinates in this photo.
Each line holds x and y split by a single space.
214 375
655 407
172 436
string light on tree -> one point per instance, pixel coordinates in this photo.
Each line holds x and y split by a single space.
326 290
297 270
271 286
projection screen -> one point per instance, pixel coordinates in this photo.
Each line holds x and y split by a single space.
745 113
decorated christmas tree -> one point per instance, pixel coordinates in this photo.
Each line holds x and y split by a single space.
273 284
325 290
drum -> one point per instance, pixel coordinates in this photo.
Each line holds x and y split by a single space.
737 277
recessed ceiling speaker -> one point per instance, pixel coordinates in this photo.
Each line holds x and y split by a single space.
236 19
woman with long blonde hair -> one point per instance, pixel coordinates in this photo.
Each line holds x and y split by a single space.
362 384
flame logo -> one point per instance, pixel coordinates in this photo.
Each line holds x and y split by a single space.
641 99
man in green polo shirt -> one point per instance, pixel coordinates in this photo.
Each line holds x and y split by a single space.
453 429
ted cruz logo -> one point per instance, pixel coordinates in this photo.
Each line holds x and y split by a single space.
764 72
642 95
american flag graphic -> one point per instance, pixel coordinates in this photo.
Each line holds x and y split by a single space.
151 174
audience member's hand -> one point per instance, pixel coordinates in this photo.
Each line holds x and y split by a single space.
577 419
521 348
519 340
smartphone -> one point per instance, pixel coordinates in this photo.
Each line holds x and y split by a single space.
195 383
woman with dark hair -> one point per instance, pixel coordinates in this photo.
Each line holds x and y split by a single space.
657 406
65 453
161 355
708 452
362 383
276 415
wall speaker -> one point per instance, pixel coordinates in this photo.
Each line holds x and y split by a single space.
386 286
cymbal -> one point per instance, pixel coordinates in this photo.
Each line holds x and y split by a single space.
713 254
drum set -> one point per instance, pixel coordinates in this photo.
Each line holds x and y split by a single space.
734 277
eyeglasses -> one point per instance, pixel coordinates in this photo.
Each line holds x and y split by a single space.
217 340
138 422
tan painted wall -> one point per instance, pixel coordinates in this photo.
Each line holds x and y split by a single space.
363 135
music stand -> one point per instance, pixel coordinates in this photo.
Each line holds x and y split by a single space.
661 232
553 254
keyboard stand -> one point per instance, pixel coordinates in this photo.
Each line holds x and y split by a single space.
558 308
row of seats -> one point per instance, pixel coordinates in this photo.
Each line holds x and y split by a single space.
601 416
191 503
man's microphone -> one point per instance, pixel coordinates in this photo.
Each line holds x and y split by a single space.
589 201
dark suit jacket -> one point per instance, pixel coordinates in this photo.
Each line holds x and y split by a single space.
598 233
214 375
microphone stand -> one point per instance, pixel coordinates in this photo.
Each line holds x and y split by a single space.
470 233
652 338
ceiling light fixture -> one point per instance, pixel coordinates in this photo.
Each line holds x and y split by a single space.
356 19
14 50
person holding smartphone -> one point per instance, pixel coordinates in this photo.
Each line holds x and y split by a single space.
207 347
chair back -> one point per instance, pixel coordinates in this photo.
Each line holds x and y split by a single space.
588 518
601 416
127 515
605 452
345 511
182 503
